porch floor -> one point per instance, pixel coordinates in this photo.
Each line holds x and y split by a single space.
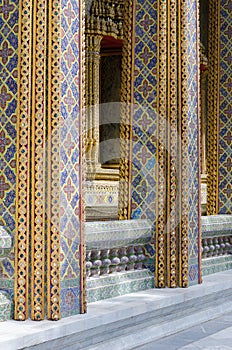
128 321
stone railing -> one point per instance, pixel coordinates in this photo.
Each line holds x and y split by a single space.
216 235
5 248
116 246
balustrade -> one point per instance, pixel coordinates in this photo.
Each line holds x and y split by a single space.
109 261
216 235
216 246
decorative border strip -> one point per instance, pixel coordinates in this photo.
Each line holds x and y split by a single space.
23 162
161 242
172 93
183 107
127 91
53 181
38 162
213 106
82 247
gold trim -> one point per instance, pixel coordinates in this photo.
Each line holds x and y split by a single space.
213 107
82 247
23 162
38 163
183 100
53 143
161 214
172 239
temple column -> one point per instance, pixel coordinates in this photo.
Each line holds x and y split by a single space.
219 109
165 165
49 249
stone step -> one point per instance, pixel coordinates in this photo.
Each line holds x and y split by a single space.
127 321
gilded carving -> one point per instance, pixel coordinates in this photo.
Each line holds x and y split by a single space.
161 238
213 106
183 101
38 149
82 247
172 210
104 19
37 231
53 183
23 164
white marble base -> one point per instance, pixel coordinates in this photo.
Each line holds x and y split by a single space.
127 321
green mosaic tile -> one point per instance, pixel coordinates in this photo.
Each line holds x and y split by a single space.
216 264
215 225
118 284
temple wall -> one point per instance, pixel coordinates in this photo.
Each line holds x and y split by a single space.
225 111
8 104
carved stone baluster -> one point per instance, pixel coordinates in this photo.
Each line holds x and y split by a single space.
211 247
140 257
230 242
132 258
115 261
222 245
217 246
123 259
88 264
205 248
106 262
227 244
96 261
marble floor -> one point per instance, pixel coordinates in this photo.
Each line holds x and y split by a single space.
215 334
198 317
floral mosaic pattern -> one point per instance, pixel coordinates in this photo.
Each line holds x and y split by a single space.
225 135
8 119
144 119
193 143
70 159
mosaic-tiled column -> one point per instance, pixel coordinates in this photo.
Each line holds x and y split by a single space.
9 16
219 109
48 247
37 236
225 110
165 143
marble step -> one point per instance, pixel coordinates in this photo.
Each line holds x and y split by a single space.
127 321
